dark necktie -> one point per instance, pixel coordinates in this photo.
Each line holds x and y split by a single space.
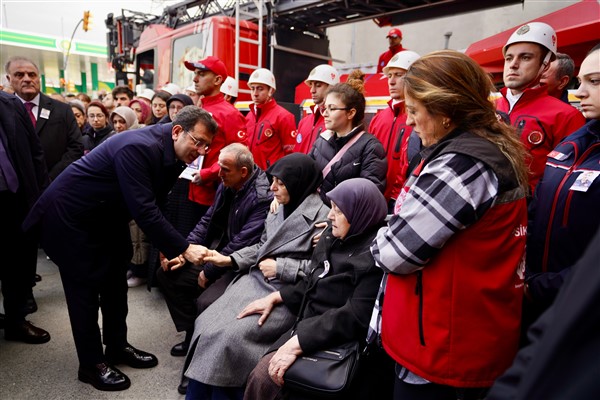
29 106
10 176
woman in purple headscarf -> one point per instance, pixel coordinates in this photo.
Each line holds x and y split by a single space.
340 289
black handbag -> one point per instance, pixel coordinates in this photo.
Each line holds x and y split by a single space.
323 373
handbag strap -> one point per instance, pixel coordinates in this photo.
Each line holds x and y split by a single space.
341 153
326 266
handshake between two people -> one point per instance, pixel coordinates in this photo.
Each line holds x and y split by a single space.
197 255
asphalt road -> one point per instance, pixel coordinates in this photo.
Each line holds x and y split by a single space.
49 371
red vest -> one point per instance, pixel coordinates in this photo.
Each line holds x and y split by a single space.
456 322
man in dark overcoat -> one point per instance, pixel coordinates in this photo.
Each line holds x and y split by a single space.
23 176
83 221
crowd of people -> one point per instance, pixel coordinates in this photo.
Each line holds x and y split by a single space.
269 239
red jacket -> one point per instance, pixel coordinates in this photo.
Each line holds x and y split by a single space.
542 121
271 132
386 56
389 126
309 129
456 322
231 129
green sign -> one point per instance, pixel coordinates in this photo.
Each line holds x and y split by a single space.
22 39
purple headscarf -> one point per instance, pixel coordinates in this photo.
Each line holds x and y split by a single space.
361 202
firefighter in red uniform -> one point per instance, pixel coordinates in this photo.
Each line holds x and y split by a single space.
210 74
394 38
311 126
389 126
271 128
542 121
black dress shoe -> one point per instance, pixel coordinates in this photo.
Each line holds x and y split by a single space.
2 321
182 388
26 332
104 377
30 306
37 278
180 349
131 356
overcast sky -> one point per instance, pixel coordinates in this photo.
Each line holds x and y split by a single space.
59 18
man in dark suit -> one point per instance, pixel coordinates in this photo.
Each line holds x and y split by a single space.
23 176
55 125
83 220
54 121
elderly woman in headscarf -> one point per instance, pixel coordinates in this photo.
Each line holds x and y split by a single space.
123 119
340 289
225 348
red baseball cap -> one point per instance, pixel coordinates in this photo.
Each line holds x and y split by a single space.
394 32
210 63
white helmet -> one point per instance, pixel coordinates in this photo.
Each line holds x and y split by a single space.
324 73
147 94
264 76
230 87
171 88
401 60
535 32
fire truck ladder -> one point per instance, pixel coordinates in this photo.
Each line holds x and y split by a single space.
243 13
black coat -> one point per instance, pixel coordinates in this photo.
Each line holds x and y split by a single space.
339 305
562 360
59 134
23 148
91 203
364 159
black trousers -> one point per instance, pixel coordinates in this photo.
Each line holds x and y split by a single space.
92 258
180 289
19 257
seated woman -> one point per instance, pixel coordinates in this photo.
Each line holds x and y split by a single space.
340 289
225 348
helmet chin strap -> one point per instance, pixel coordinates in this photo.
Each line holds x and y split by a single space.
535 82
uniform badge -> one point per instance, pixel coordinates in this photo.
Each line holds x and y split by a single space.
557 155
299 138
535 137
523 30
268 132
584 180
294 133
241 134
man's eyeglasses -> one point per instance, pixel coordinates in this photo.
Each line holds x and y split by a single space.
330 108
199 144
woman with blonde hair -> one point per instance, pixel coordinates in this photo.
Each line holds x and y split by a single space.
453 252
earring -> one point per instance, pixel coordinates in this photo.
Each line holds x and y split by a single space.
446 124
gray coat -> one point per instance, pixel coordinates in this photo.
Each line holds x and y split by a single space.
228 349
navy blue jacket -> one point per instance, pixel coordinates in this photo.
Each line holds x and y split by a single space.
243 222
562 221
127 177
